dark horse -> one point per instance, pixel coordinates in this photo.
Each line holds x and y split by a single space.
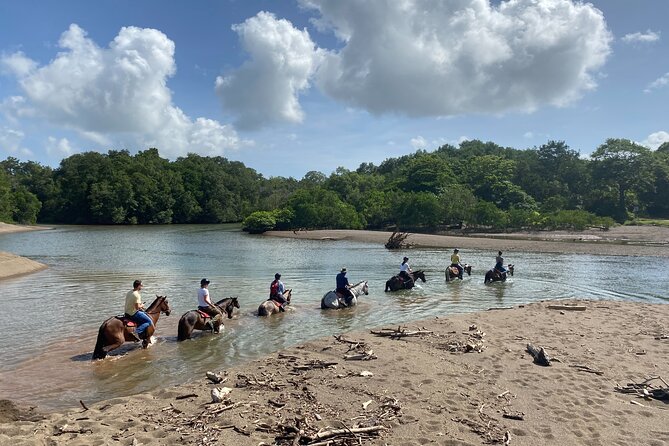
115 331
398 283
269 307
452 272
195 320
493 275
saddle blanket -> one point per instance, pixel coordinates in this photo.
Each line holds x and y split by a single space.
126 322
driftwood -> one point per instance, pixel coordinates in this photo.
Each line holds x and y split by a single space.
646 390
316 364
396 240
585 368
361 356
345 432
567 307
539 354
83 405
399 332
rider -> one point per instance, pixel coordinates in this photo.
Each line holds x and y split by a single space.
499 264
276 290
455 261
205 304
343 287
405 270
134 310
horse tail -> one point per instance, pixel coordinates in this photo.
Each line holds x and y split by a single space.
98 352
183 332
262 311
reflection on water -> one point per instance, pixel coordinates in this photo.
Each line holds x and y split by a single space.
49 320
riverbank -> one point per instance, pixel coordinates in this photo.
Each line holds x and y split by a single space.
465 379
12 265
620 240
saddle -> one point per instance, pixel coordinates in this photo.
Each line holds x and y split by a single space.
202 314
453 270
127 322
275 302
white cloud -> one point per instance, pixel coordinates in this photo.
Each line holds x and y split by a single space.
17 64
426 57
528 135
657 83
59 147
10 142
655 140
117 94
419 143
647 37
265 89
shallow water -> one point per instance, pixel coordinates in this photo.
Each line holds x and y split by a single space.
49 320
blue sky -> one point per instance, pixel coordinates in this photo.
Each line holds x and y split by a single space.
292 86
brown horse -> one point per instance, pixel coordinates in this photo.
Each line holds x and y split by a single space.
269 307
494 275
193 319
452 272
114 332
398 283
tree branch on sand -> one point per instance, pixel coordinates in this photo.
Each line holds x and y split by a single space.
396 240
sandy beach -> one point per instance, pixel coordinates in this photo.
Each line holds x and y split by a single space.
12 265
459 380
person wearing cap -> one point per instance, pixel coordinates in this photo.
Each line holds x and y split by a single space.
343 286
276 290
134 310
405 269
205 304
455 261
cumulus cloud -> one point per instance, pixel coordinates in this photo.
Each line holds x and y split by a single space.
117 93
265 89
426 57
10 142
647 37
658 83
419 143
59 147
656 139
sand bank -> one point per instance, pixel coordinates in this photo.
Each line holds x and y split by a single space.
12 265
621 240
466 380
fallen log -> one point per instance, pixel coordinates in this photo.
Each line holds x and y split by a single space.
540 356
567 307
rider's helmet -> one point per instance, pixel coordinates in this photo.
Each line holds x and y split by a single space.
277 276
343 270
204 282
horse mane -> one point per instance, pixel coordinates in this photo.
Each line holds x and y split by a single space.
156 302
359 283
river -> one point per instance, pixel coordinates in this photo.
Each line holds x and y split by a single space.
49 320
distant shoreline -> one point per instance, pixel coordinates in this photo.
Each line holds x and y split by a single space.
12 265
621 240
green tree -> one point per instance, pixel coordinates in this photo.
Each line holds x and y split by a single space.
625 165
26 206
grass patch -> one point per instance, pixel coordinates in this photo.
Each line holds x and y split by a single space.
647 222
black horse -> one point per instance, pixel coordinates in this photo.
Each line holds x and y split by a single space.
452 272
194 320
400 283
493 275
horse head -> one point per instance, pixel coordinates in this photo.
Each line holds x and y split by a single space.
468 269
365 288
163 306
419 275
510 268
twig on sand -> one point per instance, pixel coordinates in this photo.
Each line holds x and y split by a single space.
399 332
83 405
585 368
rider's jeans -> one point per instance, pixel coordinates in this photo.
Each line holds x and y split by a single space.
143 322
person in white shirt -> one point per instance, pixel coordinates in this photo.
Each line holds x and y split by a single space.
205 304
405 269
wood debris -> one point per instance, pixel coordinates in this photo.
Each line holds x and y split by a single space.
646 390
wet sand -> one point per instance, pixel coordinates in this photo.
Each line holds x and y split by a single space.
12 265
459 380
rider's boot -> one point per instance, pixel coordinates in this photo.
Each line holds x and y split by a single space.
135 337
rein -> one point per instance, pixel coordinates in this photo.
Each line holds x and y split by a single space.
157 304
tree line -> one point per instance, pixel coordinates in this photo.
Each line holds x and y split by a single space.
477 184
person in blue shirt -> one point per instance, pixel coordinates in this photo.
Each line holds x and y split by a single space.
499 264
343 286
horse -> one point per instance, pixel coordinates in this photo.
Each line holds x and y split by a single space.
452 272
197 320
118 329
269 307
335 301
493 275
398 283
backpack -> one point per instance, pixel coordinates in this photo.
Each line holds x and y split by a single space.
274 288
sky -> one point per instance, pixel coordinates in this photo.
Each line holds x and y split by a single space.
292 86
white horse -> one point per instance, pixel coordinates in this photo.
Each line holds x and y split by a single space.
335 301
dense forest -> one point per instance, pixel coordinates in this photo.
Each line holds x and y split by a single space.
476 185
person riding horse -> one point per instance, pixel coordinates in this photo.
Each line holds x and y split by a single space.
134 310
455 262
405 270
499 265
276 290
343 287
206 305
